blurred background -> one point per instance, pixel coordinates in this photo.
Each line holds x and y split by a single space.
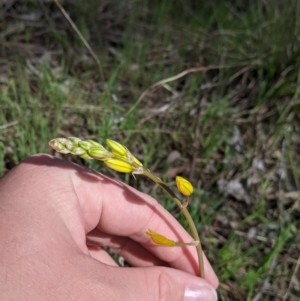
208 90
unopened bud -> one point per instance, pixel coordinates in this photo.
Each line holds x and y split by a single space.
117 148
94 143
75 140
184 186
160 239
85 145
99 153
78 151
58 144
119 165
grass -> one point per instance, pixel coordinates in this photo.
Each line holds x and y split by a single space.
235 123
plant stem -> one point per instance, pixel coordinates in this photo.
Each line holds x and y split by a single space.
187 215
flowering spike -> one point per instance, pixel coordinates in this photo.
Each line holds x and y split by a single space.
184 186
119 165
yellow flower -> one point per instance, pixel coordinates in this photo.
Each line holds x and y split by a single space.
160 239
119 165
117 148
184 186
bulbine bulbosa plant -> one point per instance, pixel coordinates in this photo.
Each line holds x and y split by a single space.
120 159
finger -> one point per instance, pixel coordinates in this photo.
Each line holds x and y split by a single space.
134 253
155 283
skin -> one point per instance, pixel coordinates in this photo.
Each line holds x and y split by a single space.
54 218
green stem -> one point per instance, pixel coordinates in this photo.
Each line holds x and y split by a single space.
185 212
194 232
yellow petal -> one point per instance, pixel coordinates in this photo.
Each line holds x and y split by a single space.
160 239
184 186
119 165
117 148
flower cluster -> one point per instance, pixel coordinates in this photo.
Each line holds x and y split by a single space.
119 158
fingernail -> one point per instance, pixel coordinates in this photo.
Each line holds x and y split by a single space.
200 293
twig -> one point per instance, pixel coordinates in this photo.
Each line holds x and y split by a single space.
6 125
84 41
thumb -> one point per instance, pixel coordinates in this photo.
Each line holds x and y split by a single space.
154 284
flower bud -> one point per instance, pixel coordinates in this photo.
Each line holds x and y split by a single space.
99 153
70 145
119 165
61 140
85 145
85 156
117 148
184 186
94 143
78 151
75 140
58 144
164 241
160 239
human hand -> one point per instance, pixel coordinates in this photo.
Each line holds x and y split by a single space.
54 218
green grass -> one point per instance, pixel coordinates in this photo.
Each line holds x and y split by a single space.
254 91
